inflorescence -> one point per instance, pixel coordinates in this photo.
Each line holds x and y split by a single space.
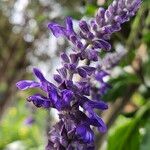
69 95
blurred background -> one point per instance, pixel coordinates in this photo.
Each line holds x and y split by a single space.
26 42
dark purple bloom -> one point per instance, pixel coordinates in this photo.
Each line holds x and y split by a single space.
58 30
73 131
67 31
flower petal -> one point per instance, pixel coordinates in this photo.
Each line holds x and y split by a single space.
39 74
89 69
52 93
100 75
69 25
84 26
67 96
57 30
63 72
65 58
102 126
25 84
96 104
84 87
29 120
40 101
57 78
82 72
102 44
92 55
85 133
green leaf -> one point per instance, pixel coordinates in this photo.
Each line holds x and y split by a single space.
125 136
128 58
90 10
145 144
119 85
146 37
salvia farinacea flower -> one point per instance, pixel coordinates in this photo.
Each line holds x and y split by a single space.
76 99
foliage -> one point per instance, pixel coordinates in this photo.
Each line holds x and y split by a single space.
125 134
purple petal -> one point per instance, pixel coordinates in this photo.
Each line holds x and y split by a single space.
67 96
84 88
95 104
94 25
29 121
63 134
85 133
92 55
39 75
73 38
89 70
71 67
118 19
90 35
108 14
82 72
57 78
79 44
40 101
102 126
95 120
69 83
101 12
57 30
52 93
65 57
63 72
100 75
89 105
84 26
102 44
25 84
82 35
69 25
115 27
49 145
104 87
74 58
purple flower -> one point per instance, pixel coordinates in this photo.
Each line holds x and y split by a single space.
73 131
67 31
29 121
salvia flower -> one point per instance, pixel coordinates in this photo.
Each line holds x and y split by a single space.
68 96
29 121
